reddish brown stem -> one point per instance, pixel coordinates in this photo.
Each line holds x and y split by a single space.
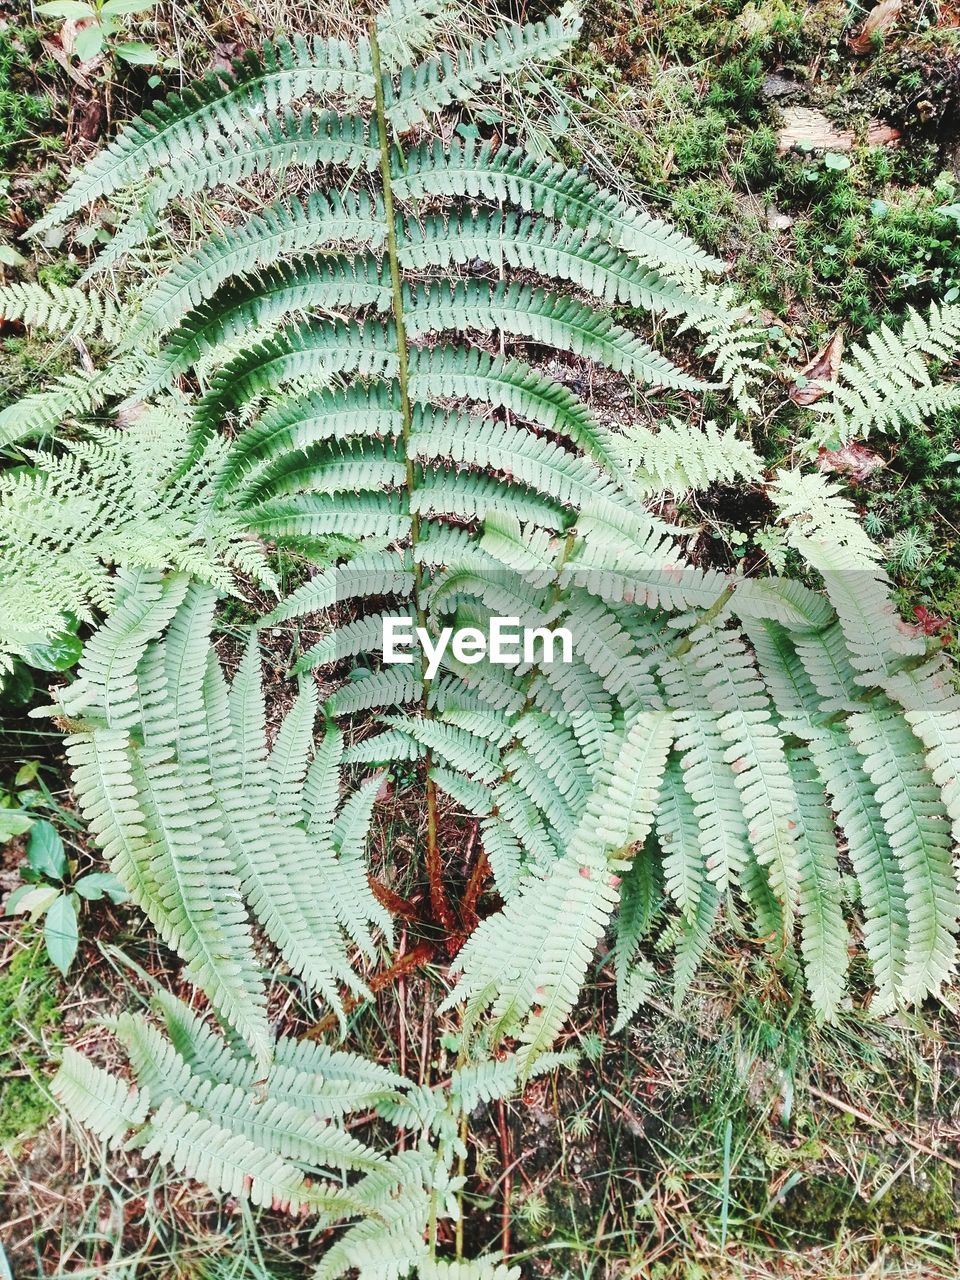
507 1181
478 878
393 902
422 953
439 902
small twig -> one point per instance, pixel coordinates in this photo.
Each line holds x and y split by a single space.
461 1173
439 902
865 1116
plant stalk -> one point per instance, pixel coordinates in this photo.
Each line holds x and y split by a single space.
439 902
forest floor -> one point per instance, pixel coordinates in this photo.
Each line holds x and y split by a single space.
818 151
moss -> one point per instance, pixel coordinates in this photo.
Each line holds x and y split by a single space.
29 1010
915 249
919 490
736 88
21 110
758 162
706 210
238 612
62 272
819 1206
698 143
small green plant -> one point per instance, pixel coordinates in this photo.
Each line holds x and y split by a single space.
28 1031
17 800
909 549
20 111
101 29
51 893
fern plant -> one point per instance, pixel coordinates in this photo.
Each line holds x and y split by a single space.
201 1105
363 363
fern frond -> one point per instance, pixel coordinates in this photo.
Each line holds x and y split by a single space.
197 878
230 1163
625 555
755 753
825 530
471 374
475 1269
71 396
692 940
376 573
391 1243
931 706
915 824
491 446
734 338
919 833
303 137
886 383
293 423
561 252
289 756
824 934
284 229
528 962
349 515
108 1106
475 169
220 104
547 318
639 899
304 285
707 774
63 309
273 1125
428 88
324 347
679 457
676 830
260 806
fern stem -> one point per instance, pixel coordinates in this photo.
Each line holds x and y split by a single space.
439 903
569 542
685 644
396 286
461 1172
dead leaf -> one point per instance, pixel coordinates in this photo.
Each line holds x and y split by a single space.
819 372
879 22
90 120
54 50
68 40
852 460
224 52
